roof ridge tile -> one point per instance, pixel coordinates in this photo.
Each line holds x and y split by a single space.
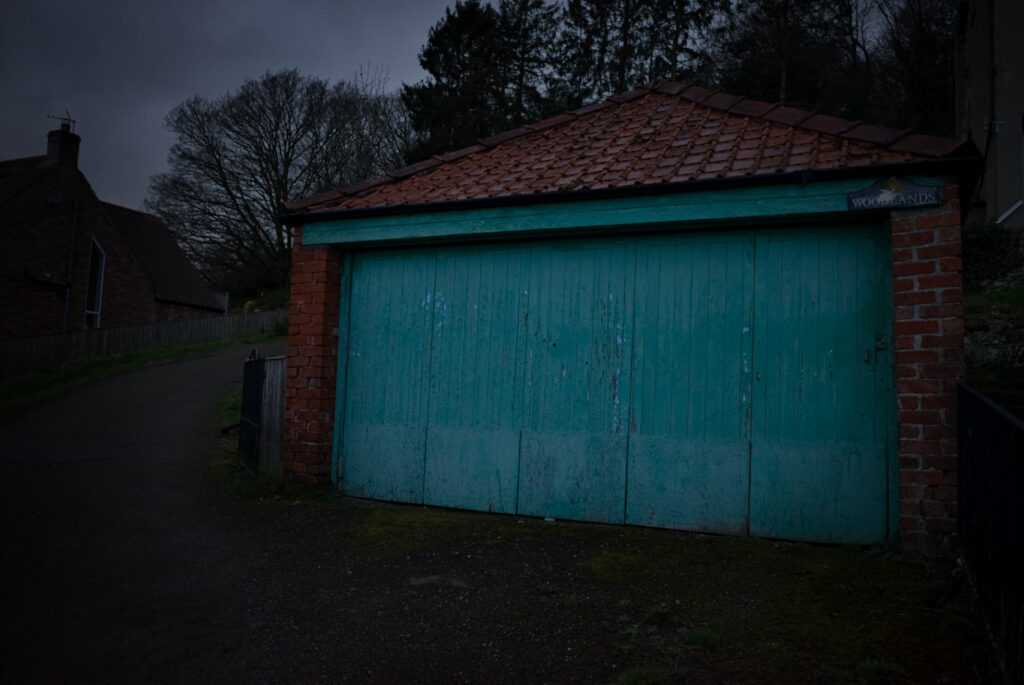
696 93
787 116
877 135
923 144
668 87
634 94
593 107
550 122
750 108
499 138
827 124
460 153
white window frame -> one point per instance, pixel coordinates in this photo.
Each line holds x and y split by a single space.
92 315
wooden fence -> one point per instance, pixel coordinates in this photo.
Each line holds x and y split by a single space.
24 355
991 518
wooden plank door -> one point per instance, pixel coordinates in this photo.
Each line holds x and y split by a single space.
823 403
391 313
689 437
478 334
576 380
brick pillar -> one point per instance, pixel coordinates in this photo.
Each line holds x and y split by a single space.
312 362
929 342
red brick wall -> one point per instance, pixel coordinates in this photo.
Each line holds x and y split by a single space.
928 309
312 362
36 228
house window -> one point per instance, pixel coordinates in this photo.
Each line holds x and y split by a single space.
94 296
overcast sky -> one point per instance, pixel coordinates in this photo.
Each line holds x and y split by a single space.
119 66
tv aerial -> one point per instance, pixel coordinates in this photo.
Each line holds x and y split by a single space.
65 119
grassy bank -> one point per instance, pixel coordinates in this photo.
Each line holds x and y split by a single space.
24 391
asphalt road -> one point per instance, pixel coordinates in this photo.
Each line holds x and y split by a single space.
119 564
123 561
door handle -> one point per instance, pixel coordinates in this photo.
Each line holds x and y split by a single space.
871 355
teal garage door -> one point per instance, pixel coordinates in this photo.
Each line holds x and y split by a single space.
726 382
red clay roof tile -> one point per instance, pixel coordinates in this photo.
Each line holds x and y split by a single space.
787 116
664 132
696 93
750 108
867 133
832 126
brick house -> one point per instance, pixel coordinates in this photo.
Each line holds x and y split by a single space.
676 308
72 262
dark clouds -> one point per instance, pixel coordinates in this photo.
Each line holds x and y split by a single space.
119 67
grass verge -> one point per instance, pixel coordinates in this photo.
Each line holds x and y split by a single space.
24 391
1007 299
234 477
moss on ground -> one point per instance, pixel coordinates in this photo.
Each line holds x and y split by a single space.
673 607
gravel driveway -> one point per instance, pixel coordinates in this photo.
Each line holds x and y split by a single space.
124 562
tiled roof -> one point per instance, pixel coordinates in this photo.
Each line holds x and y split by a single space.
17 174
172 276
666 132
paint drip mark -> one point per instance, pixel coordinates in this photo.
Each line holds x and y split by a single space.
616 405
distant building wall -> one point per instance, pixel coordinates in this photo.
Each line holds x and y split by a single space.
990 101
47 232
169 311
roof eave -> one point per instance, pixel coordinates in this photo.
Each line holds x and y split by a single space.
964 166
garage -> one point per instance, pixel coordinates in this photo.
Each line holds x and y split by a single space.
629 380
640 313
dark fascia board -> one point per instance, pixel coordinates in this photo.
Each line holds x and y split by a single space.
965 167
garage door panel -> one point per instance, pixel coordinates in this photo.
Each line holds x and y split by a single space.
818 493
580 477
472 456
388 348
576 380
694 485
385 461
819 448
691 392
472 468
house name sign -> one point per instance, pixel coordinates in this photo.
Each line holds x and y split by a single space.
894 192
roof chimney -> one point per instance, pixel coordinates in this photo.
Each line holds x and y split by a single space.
62 146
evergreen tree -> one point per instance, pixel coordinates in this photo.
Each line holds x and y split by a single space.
779 51
603 49
679 37
915 65
464 97
528 29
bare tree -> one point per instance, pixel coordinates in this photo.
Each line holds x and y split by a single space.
238 158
